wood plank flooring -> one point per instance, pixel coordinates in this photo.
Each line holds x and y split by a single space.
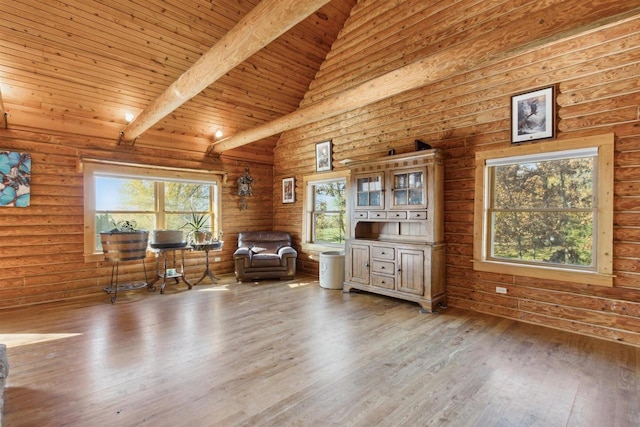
290 353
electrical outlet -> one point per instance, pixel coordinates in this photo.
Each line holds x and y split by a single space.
501 290
217 259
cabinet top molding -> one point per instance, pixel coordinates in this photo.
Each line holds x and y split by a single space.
436 154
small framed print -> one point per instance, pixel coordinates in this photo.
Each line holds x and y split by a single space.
533 115
288 190
323 156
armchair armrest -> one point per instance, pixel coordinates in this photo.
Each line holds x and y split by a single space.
242 257
287 250
241 252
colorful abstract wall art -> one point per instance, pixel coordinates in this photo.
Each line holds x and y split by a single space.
15 172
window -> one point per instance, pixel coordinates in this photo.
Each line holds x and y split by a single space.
155 198
325 200
545 210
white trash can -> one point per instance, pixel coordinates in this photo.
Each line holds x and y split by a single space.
331 269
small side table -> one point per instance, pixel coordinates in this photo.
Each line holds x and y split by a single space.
206 248
162 273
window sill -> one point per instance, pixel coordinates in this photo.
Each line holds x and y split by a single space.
313 250
548 273
95 257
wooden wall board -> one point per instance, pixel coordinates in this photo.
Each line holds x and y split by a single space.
596 73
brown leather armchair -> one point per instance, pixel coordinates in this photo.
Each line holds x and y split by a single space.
264 255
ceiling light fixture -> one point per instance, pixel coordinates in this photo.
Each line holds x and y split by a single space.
128 116
218 134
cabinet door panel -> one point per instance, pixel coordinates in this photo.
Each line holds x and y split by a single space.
409 188
358 263
411 271
369 191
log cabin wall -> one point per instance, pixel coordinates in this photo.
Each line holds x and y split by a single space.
597 73
41 247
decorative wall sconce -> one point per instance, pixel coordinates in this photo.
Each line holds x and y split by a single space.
244 188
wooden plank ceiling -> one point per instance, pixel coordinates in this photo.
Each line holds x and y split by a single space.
78 66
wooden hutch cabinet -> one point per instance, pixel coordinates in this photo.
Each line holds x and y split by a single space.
397 233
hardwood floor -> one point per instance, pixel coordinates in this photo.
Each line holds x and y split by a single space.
293 354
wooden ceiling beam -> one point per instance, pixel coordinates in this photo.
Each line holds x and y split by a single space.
566 19
266 22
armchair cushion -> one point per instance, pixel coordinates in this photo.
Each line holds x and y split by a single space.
264 255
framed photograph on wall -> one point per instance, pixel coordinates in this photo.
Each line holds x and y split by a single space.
323 156
288 190
533 115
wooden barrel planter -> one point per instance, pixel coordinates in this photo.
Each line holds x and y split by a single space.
124 246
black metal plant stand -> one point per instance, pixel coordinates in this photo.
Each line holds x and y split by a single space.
114 287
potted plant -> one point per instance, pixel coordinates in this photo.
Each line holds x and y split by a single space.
198 226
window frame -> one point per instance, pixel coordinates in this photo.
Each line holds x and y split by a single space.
92 167
602 274
307 223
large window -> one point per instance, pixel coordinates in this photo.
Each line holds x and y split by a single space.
151 197
545 209
325 202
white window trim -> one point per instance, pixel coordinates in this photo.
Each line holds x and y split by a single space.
603 274
90 167
314 249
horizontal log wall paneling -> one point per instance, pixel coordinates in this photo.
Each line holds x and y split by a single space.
596 72
41 252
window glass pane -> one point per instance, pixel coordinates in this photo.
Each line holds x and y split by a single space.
175 221
329 196
375 184
328 219
415 197
544 237
400 197
182 196
375 199
329 227
400 181
121 194
561 184
415 180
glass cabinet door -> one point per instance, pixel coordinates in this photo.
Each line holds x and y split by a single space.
370 191
408 188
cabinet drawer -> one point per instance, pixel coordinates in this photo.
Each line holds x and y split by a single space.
360 215
417 214
382 252
377 215
387 282
383 267
397 215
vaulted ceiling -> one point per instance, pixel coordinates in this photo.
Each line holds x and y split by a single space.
78 66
